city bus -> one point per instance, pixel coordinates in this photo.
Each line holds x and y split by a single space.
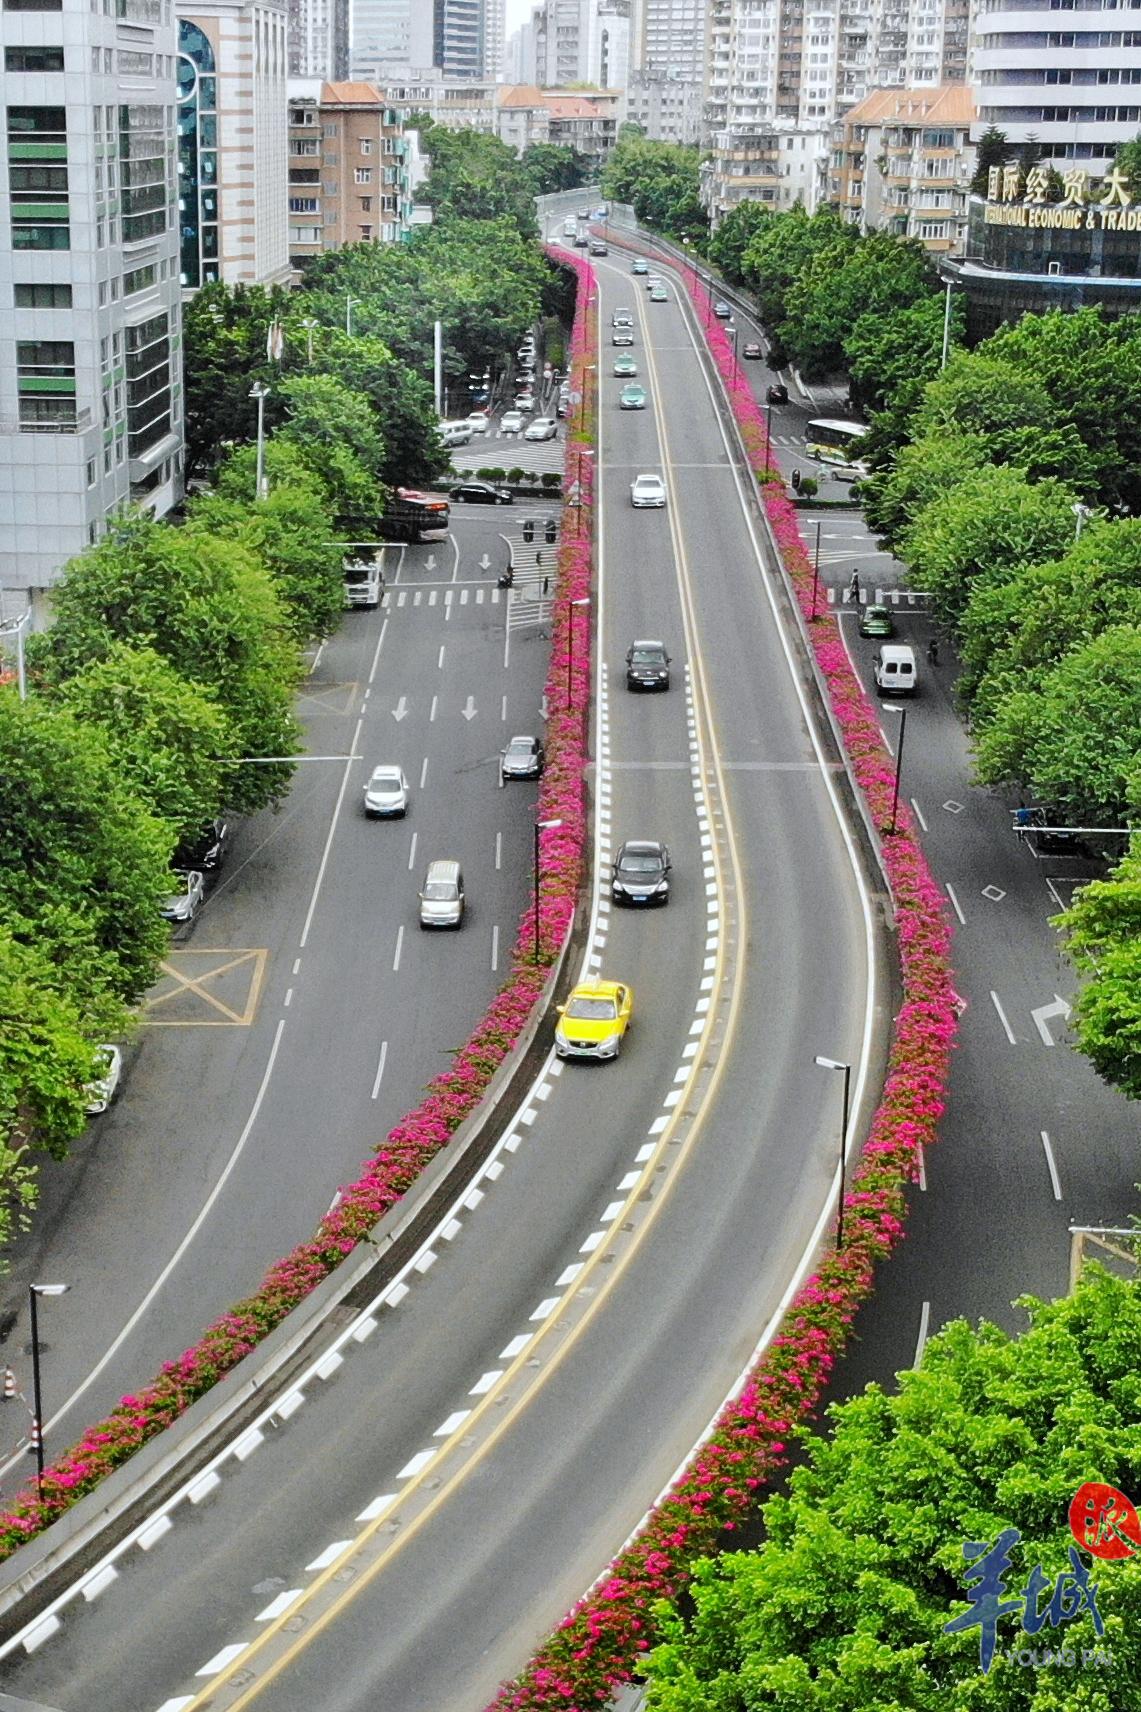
831 441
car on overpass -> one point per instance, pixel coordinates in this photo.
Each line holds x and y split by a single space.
632 397
594 1020
647 666
647 491
641 873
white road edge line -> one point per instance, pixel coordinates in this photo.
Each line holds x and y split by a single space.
1051 1166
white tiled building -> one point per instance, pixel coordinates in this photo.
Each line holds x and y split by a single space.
90 336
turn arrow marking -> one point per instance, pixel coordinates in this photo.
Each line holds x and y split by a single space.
1042 1014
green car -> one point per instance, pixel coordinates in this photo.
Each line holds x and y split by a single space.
640 266
659 294
632 398
876 621
625 367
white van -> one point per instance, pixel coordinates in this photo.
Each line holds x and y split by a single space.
442 900
894 669
570 226
455 433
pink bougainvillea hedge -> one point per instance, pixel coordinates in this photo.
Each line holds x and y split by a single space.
450 1097
597 1646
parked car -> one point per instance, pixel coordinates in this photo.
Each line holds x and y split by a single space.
752 351
183 905
522 759
641 873
386 794
632 397
542 428
876 621
511 422
639 266
647 666
659 294
594 1020
103 1089
648 490
481 493
625 367
722 310
777 393
206 850
442 900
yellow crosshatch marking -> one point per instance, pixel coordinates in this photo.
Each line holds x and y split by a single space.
207 989
328 697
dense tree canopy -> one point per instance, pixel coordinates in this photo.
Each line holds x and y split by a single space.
844 1607
733 236
553 166
475 176
661 182
1103 933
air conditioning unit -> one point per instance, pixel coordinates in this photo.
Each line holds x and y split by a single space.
1053 267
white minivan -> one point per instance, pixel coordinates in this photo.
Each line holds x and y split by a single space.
442 899
894 669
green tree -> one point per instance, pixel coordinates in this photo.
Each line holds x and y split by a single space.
403 405
1128 161
923 471
47 1061
207 607
661 181
1103 935
293 531
842 280
169 739
552 167
843 1609
224 332
1012 630
334 431
891 355
84 866
984 530
733 236
474 176
776 257
993 150
1072 735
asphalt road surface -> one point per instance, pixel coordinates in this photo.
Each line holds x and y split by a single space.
502 1424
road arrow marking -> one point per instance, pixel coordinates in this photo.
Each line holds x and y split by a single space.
468 709
430 562
1043 1013
400 711
485 563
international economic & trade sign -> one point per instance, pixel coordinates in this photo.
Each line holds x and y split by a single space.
1105 1524
1014 200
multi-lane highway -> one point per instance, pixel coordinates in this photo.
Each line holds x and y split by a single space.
305 1011
433 1501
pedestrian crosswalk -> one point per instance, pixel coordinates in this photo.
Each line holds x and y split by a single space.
478 596
912 600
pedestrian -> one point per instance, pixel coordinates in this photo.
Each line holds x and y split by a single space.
933 651
546 586
795 479
854 588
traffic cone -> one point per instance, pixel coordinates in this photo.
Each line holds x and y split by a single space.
34 1439
9 1384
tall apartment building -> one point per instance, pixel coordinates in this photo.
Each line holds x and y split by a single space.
795 66
1068 76
461 38
668 109
902 162
349 179
494 40
318 39
669 38
232 142
90 382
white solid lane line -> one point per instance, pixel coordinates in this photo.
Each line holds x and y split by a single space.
1051 1166
997 1003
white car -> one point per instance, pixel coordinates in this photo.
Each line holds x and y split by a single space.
647 490
455 433
511 422
183 906
479 422
386 792
101 1092
542 428
525 401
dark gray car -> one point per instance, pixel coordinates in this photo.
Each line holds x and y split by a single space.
641 873
647 666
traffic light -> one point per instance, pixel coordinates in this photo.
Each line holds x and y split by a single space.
552 531
528 529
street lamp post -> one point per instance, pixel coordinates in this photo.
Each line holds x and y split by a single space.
310 324
35 1291
588 369
350 304
585 601
540 826
14 627
581 453
815 570
260 391
1081 512
902 711
838 1064
731 329
946 327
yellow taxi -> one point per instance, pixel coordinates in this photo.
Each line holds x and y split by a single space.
594 1020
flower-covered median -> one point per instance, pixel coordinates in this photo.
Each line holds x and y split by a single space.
450 1097
597 1646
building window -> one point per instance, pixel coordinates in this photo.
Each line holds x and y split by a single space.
366 232
366 145
142 171
33 59
43 296
45 382
304 205
37 178
140 279
304 146
362 175
91 472
366 204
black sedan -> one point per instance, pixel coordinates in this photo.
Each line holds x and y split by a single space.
522 759
641 873
207 849
777 393
482 493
